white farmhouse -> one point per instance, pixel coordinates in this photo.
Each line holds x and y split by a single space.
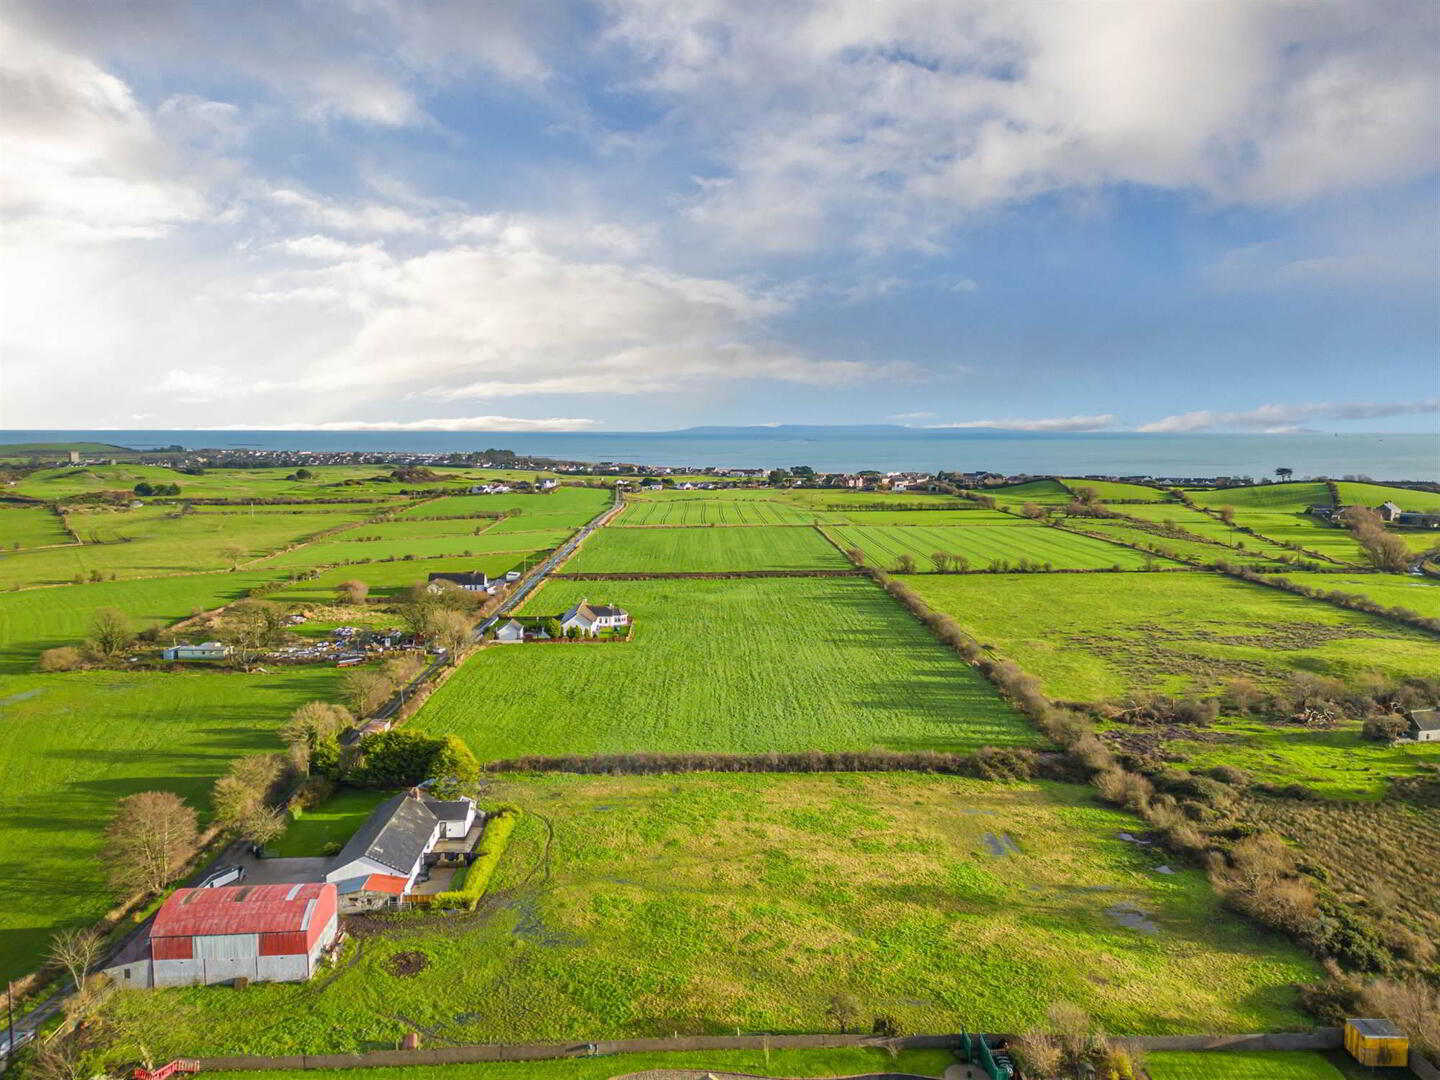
395 839
590 617
210 650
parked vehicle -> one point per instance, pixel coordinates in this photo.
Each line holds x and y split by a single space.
222 875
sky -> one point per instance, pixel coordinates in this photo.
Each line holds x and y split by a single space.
1070 215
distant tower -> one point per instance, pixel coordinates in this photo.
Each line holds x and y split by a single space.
74 457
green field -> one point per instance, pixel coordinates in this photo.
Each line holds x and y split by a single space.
1418 594
575 505
1106 635
972 518
213 484
683 511
705 550
1280 498
1256 552
1043 492
1114 489
328 824
388 579
522 523
987 545
1336 762
155 541
1310 533
75 743
845 1061
1356 494
633 906
39 619
742 666
1240 1065
330 552
31 526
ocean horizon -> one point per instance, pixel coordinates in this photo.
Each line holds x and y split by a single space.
1380 456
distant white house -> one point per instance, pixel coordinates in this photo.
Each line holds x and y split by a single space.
588 617
512 633
548 483
478 581
490 489
210 650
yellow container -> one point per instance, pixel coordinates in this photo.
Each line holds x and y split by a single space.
1377 1042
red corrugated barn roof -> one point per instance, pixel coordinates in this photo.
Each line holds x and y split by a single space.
239 909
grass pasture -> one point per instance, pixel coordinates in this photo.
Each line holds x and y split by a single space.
1290 498
75 743
1419 594
339 550
38 619
971 518
155 541
1114 489
1097 636
705 551
986 546
634 906
576 505
743 666
31 526
681 511
1359 494
1310 533
1043 492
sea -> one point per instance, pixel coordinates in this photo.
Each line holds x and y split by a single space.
1397 457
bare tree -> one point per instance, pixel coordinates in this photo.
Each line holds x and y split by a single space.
234 554
314 721
1033 511
111 631
940 560
1383 549
263 825
352 592
365 690
77 952
856 556
150 837
905 564
452 630
1227 515
844 1009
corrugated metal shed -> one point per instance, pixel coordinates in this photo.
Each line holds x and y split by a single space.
240 909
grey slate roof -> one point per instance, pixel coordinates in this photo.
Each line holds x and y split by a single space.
478 577
395 835
1426 719
448 809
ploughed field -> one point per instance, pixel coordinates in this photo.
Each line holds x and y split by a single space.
988 544
635 906
727 666
705 550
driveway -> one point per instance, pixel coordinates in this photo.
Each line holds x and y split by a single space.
282 871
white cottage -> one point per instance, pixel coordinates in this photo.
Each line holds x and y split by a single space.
590 617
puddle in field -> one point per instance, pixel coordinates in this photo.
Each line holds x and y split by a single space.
1163 869
23 695
1131 839
1128 915
1001 845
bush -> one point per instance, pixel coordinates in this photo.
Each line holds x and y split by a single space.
1386 728
469 885
64 658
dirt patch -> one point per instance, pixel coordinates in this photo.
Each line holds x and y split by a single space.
405 964
1128 915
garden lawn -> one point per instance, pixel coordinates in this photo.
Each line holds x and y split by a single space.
705 550
31 526
665 511
38 619
843 1061
1093 636
1418 594
986 546
641 906
73 744
1240 1065
324 830
735 666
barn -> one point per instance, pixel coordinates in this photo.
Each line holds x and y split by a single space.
265 933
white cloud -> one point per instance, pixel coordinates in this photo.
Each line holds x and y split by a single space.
1055 423
1282 418
913 416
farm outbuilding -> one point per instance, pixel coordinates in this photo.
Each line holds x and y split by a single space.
1376 1042
264 933
1424 725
